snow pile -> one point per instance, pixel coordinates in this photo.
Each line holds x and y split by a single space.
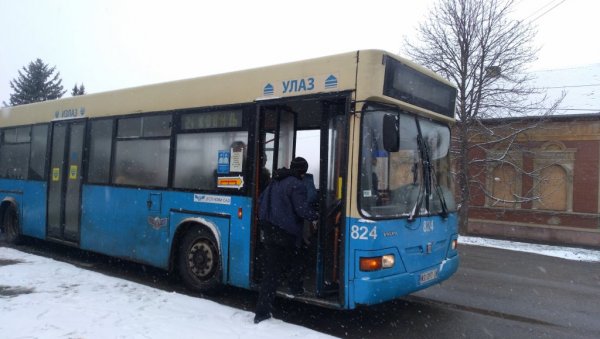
569 253
44 298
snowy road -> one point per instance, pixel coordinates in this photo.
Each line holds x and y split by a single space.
45 298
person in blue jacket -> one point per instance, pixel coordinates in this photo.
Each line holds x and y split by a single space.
283 207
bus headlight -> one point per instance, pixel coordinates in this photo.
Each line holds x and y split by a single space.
377 263
454 244
388 261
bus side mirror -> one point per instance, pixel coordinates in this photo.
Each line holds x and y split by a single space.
391 132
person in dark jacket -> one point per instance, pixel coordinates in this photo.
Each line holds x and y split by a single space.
283 207
311 191
265 174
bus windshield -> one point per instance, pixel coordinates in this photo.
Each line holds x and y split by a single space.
412 181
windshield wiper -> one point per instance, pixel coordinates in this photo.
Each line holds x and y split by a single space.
428 175
432 177
424 157
440 194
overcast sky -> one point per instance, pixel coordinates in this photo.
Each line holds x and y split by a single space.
112 44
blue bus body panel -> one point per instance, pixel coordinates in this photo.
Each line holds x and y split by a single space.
121 222
30 197
140 225
422 252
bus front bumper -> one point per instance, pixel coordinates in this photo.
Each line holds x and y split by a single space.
375 291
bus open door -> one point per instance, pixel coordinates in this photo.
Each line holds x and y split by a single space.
316 130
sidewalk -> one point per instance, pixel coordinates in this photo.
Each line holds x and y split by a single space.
569 253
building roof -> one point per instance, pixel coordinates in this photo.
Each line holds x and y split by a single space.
581 86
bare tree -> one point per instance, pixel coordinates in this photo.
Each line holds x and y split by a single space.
476 45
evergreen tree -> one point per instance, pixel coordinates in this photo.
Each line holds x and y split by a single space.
36 82
78 90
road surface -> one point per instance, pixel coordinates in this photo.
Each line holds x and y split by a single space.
495 294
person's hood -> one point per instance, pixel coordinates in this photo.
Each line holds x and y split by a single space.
283 173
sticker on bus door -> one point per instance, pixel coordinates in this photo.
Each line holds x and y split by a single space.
223 162
237 160
55 174
230 182
73 172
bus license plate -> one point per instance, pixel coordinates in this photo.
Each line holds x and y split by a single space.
428 276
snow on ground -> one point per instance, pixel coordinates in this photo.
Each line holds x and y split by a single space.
44 298
569 253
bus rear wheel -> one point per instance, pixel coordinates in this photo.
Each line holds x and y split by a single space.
10 230
199 260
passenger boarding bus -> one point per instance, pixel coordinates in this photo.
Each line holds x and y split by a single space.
169 174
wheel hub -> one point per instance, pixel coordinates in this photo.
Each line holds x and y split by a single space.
200 259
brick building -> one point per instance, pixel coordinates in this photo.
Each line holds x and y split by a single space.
564 156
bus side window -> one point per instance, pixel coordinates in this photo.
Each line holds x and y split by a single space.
142 151
39 143
14 153
101 132
197 157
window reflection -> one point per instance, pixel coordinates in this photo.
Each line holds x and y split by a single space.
197 156
142 162
396 184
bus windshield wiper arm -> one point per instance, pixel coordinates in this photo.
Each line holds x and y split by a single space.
415 210
440 194
428 174
426 182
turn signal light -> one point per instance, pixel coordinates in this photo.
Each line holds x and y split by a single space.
370 264
377 263
454 244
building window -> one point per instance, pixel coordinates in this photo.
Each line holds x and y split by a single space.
504 179
505 187
554 163
553 189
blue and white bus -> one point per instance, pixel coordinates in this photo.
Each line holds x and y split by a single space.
169 174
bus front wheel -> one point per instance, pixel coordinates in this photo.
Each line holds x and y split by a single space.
199 261
10 231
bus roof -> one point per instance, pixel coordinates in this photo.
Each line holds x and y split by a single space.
336 73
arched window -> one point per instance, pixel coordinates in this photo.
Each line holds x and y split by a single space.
553 189
504 186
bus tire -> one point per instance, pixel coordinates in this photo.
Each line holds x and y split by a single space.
199 260
11 231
